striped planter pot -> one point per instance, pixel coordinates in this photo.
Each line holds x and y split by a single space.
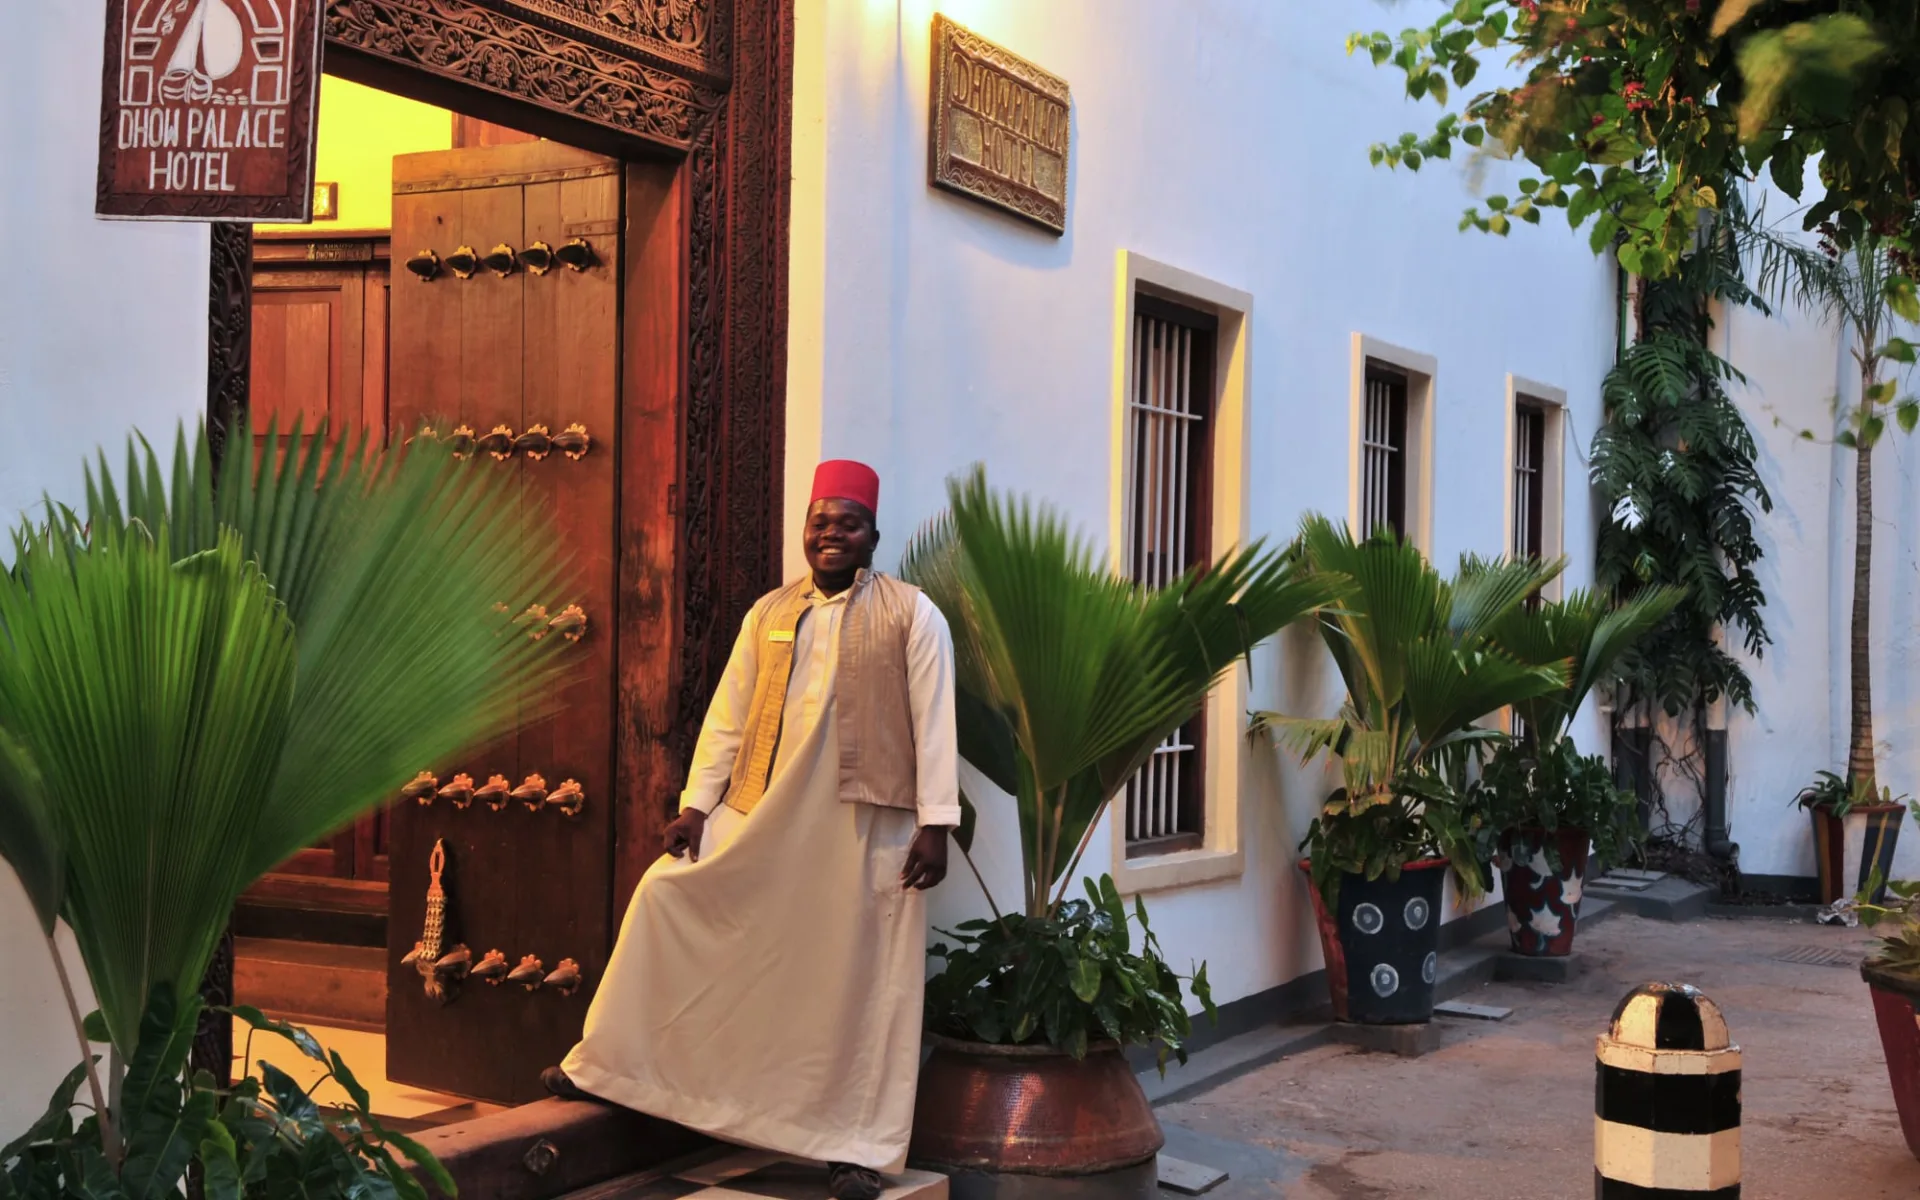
1848 850
1896 1008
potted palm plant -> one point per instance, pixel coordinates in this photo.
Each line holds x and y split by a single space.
1892 974
1856 829
1067 677
1546 802
1419 662
195 682
1856 820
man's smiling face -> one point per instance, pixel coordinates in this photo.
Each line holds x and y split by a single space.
840 537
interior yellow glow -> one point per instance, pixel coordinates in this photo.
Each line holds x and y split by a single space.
361 130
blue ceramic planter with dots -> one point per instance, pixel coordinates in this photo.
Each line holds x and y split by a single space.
1389 933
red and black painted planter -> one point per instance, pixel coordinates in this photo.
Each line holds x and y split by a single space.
1382 943
1543 904
1850 849
1896 1008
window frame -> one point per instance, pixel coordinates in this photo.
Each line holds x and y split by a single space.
1202 327
1551 403
1225 760
1369 354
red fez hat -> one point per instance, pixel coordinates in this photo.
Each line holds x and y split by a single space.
843 479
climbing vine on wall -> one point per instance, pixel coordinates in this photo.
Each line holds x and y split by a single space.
1674 470
1674 467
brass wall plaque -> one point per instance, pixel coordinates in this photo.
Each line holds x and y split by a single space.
1000 127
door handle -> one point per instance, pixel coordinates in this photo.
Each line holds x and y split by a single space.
571 624
425 266
421 788
568 798
565 978
459 792
460 441
576 255
536 443
537 258
532 792
494 792
492 967
529 974
463 262
573 441
497 441
500 260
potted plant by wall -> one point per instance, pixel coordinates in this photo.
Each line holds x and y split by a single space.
1892 973
1420 667
1545 800
195 682
1863 292
1856 829
1068 677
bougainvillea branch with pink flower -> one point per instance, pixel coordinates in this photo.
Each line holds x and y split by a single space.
1640 114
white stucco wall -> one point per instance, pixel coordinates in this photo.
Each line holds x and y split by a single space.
102 327
1796 366
1228 139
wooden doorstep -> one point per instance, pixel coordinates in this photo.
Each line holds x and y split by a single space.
552 1147
283 890
312 982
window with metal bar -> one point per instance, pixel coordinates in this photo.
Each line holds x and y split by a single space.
1168 506
1529 501
1529 480
1383 453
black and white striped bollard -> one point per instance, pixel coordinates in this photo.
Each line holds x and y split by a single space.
1666 1099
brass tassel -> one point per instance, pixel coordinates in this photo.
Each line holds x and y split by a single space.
435 925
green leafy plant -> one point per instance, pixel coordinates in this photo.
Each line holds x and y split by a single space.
1421 666
198 681
1541 780
1839 796
1899 948
1674 466
263 1139
1070 978
1067 679
1639 115
1552 787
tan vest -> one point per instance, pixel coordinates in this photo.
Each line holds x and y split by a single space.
872 705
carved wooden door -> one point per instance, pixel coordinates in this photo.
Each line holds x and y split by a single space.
508 337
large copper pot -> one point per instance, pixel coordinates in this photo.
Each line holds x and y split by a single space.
1031 1110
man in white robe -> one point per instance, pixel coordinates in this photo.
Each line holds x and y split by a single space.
767 983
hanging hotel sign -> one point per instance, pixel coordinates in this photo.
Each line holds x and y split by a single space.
207 110
1000 127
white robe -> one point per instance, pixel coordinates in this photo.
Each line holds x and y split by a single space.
770 993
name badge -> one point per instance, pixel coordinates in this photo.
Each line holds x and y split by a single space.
780 635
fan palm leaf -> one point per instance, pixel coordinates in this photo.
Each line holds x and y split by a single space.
1069 676
153 693
1585 630
28 837
1420 667
391 574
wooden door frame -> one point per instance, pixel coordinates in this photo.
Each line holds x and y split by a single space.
706 84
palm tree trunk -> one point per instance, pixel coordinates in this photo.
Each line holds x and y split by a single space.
1860 684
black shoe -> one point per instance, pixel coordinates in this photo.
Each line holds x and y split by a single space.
557 1084
848 1182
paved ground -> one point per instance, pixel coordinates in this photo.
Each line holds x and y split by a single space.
1505 1111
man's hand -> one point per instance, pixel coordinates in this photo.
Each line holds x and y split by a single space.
926 859
682 836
